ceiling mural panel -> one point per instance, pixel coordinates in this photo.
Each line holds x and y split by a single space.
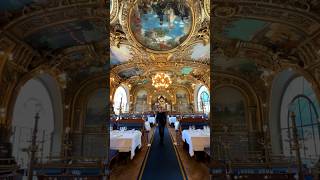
243 29
125 74
15 5
120 55
279 36
200 51
67 34
242 65
160 25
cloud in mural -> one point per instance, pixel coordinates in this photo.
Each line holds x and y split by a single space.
200 51
120 55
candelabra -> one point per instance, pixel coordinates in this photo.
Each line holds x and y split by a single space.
226 148
67 144
33 148
264 141
296 145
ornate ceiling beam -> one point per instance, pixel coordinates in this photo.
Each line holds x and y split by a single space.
26 25
287 12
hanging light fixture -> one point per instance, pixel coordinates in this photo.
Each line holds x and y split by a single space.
161 80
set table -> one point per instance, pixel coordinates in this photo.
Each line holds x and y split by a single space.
152 120
172 119
197 139
125 141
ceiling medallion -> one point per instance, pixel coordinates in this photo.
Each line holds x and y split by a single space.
161 80
161 26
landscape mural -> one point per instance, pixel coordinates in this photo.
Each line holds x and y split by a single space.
96 109
230 110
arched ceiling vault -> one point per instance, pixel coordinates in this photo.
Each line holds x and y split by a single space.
64 35
251 37
257 38
178 45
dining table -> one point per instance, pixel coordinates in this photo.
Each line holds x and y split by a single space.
197 139
125 140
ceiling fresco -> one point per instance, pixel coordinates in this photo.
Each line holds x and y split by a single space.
85 71
67 34
243 29
200 51
120 55
279 36
14 5
160 25
171 35
125 74
241 65
160 36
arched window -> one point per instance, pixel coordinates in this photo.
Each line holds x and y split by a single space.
120 100
33 97
203 100
300 99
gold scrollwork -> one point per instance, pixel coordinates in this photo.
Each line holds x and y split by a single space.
207 8
114 10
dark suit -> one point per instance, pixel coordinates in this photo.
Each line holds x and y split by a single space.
161 120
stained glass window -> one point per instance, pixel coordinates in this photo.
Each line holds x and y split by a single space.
300 99
203 100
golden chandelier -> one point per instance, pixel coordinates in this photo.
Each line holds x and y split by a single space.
161 80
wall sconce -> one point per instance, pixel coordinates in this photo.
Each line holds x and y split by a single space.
62 78
265 128
2 112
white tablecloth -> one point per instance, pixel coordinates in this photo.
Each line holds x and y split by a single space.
152 120
172 120
147 126
176 125
197 139
125 141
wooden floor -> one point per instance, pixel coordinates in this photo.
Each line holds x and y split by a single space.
195 169
129 170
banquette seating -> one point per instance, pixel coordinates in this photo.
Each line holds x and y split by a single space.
197 122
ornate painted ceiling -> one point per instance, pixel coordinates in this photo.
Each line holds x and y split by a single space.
66 36
250 37
254 39
160 36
